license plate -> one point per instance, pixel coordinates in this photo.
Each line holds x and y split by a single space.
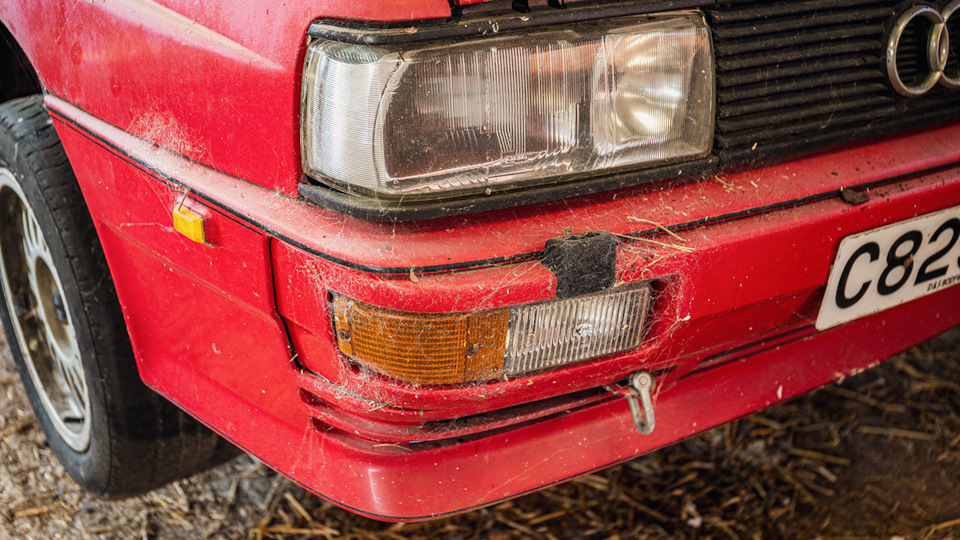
888 266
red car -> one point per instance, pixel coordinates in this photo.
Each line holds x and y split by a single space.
422 256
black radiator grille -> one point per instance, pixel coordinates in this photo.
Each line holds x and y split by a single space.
797 75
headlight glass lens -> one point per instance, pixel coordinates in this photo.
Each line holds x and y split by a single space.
445 119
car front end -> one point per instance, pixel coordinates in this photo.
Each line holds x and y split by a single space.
483 251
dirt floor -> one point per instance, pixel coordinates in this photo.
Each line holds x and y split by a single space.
877 456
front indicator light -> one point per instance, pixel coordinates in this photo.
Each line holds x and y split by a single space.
442 119
427 348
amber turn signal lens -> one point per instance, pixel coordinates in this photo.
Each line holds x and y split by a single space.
423 348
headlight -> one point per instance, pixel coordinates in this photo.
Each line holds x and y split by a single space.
445 119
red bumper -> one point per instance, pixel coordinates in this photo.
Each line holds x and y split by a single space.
237 332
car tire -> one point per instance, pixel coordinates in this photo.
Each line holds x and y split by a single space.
112 434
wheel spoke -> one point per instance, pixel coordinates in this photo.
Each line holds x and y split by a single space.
33 243
77 384
70 375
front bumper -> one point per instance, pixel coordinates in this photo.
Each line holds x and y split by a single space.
237 332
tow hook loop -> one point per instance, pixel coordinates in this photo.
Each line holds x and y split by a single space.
641 405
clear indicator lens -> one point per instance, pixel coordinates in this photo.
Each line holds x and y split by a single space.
561 332
500 111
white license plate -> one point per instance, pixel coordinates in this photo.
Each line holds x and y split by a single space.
888 266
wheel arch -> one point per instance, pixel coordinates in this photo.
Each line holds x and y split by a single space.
22 79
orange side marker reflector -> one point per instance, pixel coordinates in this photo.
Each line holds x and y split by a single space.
189 223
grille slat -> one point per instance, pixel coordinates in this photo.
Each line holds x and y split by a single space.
811 52
888 123
809 124
795 84
794 39
764 118
795 76
793 70
785 24
800 98
767 10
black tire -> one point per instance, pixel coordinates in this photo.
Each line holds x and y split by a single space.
63 322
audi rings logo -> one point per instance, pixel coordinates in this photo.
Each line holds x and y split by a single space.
918 50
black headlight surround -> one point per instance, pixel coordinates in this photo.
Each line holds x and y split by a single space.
379 209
